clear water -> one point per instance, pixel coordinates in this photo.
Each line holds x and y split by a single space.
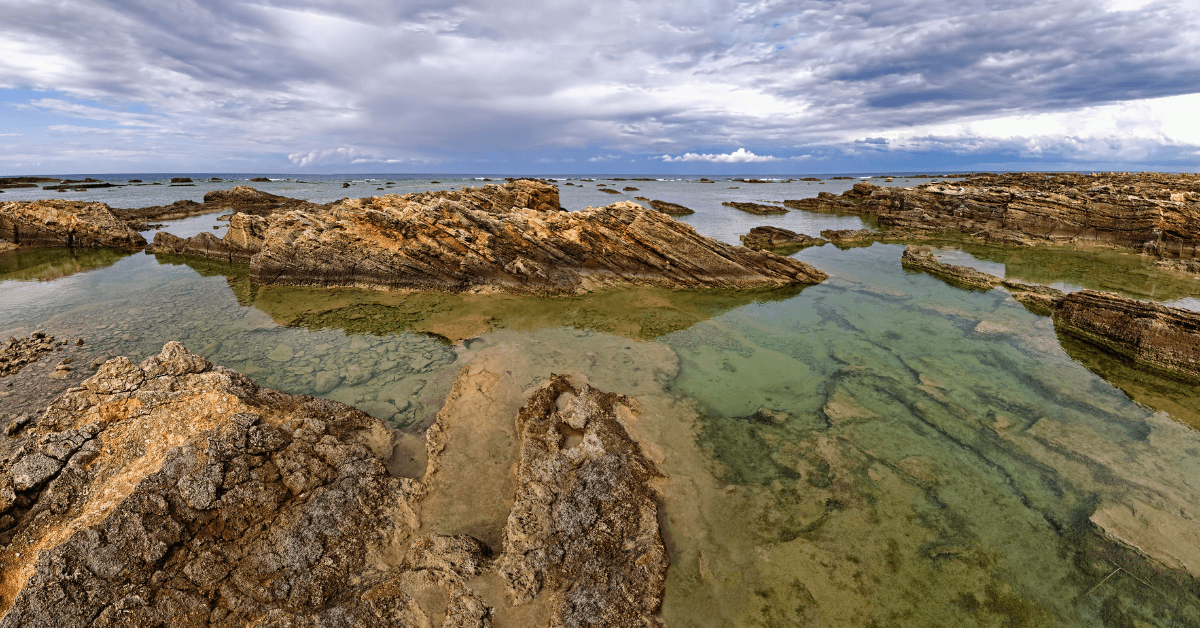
878 450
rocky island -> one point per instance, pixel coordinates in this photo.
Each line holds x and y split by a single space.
512 237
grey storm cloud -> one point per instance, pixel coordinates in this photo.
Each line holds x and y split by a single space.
422 82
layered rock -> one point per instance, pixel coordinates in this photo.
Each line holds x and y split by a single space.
74 224
242 199
768 237
242 240
849 237
1151 335
756 208
512 237
1155 213
174 492
674 209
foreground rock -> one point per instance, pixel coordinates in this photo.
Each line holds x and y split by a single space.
580 505
1153 212
512 237
74 224
767 237
673 209
178 493
1154 337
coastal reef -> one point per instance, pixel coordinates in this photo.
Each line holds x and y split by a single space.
1155 213
177 492
74 224
767 237
1154 337
244 199
674 209
510 238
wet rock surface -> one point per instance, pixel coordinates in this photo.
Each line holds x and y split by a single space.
242 240
17 352
512 237
177 492
767 237
74 224
1154 212
244 199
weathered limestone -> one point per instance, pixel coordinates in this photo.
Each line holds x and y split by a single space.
511 238
74 224
178 493
1155 213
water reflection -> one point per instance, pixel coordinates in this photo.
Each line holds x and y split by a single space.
53 263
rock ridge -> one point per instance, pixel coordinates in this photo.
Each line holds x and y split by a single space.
73 224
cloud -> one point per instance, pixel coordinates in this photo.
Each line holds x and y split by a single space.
473 81
739 156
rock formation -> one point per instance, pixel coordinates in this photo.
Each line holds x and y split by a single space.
580 505
74 224
1151 335
512 237
767 237
1155 213
1154 337
178 493
847 238
242 240
756 208
673 209
18 352
248 200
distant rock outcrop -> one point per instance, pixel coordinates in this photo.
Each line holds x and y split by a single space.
767 237
1153 212
756 208
512 237
673 209
75 224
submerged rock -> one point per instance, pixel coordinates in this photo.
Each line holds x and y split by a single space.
17 352
767 237
512 237
921 258
74 224
1153 212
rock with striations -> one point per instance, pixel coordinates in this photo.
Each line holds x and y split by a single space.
1152 212
1153 336
674 209
242 240
175 492
74 224
756 208
1039 299
512 237
767 237
248 200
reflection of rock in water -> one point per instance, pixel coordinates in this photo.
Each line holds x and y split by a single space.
52 263
237 275
1169 395
643 313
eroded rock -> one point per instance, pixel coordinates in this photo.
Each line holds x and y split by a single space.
768 237
674 209
74 224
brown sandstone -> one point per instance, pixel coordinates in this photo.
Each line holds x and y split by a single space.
75 224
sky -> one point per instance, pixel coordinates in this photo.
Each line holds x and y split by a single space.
567 86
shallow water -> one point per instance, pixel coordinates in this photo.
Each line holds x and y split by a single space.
881 449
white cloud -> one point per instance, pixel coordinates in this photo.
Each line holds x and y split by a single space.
739 156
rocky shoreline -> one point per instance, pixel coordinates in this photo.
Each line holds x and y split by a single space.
176 491
1154 213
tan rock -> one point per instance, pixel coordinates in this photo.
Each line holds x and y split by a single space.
73 224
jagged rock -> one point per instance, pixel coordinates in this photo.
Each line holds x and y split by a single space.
512 237
248 200
1182 265
174 492
673 209
73 224
755 208
242 240
1152 335
767 237
585 523
1153 212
